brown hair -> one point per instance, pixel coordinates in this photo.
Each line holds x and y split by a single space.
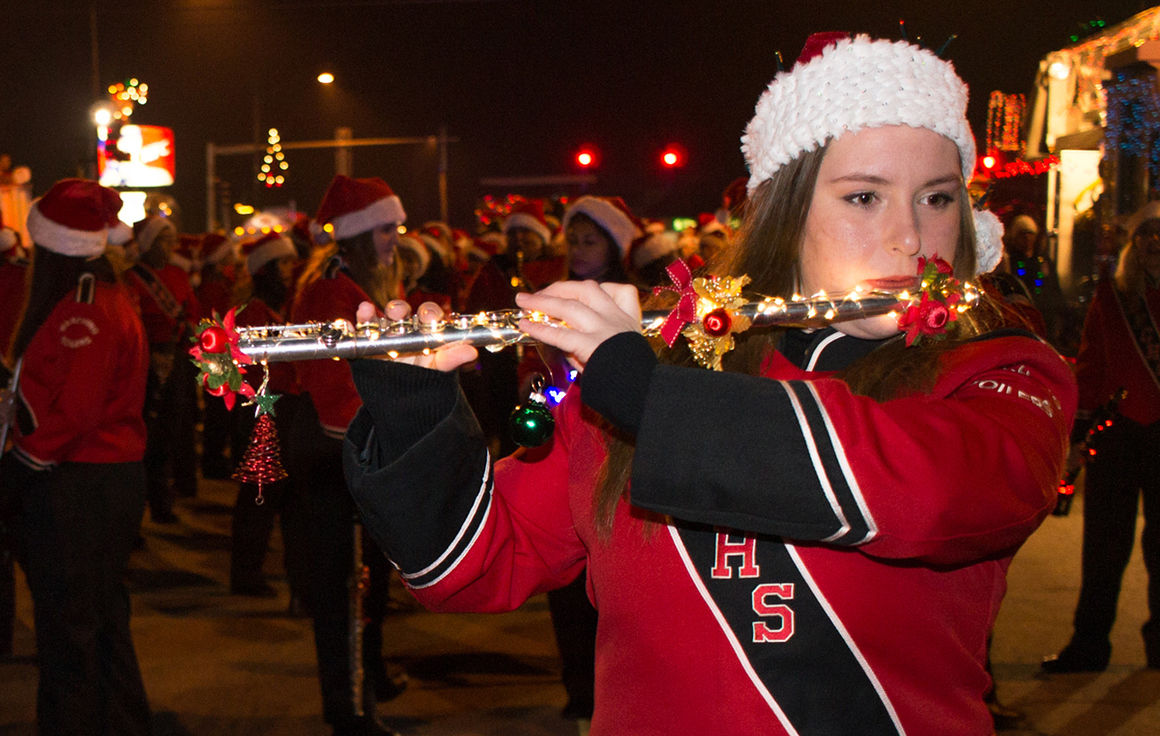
768 250
358 254
53 276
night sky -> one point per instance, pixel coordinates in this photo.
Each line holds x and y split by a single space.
521 84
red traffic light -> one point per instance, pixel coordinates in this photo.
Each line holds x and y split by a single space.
586 157
672 156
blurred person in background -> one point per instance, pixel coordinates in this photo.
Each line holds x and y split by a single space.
170 311
1119 353
363 218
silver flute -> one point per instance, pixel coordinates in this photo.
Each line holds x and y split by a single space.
498 329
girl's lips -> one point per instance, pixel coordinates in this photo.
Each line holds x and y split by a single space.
893 283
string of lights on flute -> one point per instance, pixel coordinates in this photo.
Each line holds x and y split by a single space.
709 312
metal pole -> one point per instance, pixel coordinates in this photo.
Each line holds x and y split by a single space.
341 152
210 187
13 387
443 173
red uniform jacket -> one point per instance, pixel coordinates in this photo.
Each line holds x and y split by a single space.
83 383
216 293
1109 358
283 379
165 321
831 564
328 382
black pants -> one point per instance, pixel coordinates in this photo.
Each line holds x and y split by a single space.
1126 466
170 424
216 429
574 623
79 523
328 575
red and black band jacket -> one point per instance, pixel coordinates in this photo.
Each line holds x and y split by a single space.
82 385
1111 358
790 558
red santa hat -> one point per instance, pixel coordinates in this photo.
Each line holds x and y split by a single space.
187 254
148 229
439 229
611 214
353 206
73 218
707 222
216 247
492 242
651 246
260 251
530 216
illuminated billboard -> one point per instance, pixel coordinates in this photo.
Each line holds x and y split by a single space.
136 156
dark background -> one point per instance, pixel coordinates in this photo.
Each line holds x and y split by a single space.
520 83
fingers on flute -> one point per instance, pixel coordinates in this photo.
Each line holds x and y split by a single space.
366 312
398 309
625 296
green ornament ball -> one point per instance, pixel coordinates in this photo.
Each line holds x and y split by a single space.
531 424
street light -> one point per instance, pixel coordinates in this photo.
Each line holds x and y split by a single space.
325 78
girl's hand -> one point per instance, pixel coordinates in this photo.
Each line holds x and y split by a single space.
446 358
592 312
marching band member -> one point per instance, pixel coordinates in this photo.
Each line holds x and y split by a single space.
80 441
815 539
362 216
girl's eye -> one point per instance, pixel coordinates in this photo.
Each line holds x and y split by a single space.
863 199
939 199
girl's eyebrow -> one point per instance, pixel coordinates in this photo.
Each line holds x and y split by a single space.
879 180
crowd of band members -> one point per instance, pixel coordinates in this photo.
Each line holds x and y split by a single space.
307 269
317 269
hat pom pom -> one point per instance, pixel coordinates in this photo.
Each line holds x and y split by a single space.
319 234
988 241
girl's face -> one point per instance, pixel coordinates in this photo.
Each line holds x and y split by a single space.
286 269
588 249
385 238
527 242
1147 243
883 197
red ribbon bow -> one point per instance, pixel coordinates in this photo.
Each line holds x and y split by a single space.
686 309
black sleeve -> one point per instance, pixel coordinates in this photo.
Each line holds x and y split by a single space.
416 464
743 452
617 378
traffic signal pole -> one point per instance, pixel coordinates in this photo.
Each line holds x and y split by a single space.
213 151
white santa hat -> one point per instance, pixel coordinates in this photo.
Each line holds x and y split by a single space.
411 242
353 206
8 238
148 229
1149 211
260 251
611 214
73 218
843 84
216 247
651 246
1021 224
437 246
530 216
